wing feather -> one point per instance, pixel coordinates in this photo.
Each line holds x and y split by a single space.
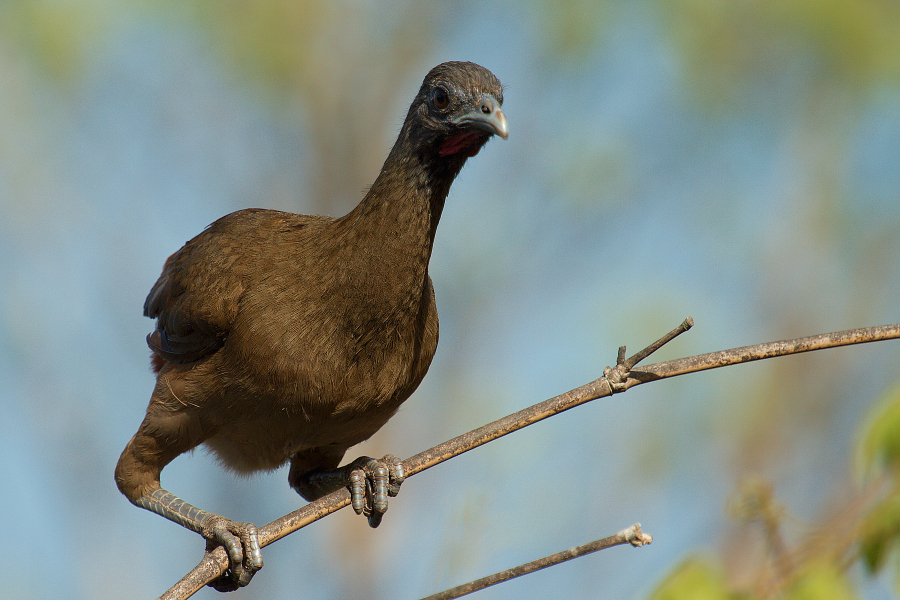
195 299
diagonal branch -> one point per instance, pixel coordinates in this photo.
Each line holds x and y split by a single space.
632 535
616 379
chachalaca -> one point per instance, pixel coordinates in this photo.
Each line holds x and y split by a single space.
282 337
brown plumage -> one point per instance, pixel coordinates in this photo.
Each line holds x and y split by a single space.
284 337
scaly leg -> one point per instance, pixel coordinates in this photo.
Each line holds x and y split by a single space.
239 539
157 442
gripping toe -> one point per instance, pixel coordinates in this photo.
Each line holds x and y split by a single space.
372 482
241 542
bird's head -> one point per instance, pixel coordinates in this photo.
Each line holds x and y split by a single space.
457 110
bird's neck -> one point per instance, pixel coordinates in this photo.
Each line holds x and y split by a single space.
395 223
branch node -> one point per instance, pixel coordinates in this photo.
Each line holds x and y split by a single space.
636 537
616 378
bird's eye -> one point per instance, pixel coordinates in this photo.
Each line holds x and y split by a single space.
440 98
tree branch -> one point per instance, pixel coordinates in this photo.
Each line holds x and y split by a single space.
617 379
632 535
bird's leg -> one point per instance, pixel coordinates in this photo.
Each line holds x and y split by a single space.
370 481
239 539
137 475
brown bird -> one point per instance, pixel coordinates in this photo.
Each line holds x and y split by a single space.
283 337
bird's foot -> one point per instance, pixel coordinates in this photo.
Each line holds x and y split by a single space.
241 542
371 482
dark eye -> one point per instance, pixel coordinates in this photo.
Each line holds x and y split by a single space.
440 98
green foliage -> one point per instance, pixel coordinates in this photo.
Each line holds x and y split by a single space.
879 447
821 580
271 39
731 47
821 575
573 29
694 579
880 533
878 455
54 34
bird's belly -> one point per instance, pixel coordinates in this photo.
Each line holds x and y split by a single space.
266 444
311 412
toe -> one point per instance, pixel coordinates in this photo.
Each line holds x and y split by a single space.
358 491
396 473
372 482
241 542
379 487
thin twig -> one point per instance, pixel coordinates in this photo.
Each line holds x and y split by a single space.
215 562
724 358
639 356
632 535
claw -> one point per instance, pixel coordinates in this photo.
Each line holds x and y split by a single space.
398 474
371 482
241 542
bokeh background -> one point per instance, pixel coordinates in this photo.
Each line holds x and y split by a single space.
738 162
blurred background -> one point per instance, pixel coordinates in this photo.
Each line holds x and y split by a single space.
738 162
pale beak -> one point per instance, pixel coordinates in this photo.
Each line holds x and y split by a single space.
486 116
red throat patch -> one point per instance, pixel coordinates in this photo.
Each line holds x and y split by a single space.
467 142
